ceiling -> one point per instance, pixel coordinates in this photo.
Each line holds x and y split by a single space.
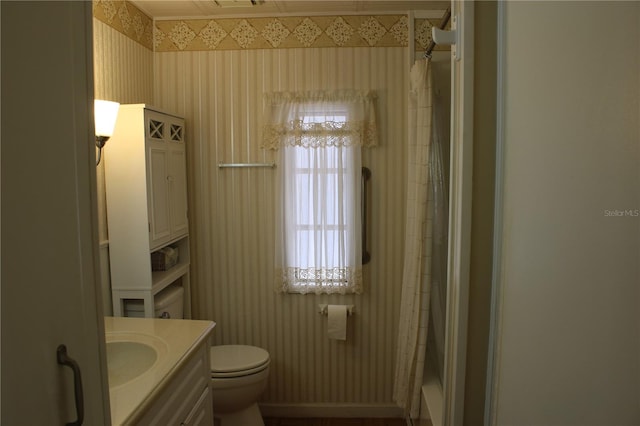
164 9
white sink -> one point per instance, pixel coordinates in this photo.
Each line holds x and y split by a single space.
131 355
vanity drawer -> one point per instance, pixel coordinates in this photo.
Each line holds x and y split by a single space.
202 413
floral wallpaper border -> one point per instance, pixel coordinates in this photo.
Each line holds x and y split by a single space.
262 32
124 17
282 32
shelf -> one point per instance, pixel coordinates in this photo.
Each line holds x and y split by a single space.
161 279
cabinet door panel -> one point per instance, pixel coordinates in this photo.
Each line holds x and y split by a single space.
178 191
160 226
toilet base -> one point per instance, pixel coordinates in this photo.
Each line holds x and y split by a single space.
250 416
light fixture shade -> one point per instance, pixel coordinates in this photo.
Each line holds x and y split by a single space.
105 114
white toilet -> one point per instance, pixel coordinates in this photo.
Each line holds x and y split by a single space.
238 377
239 373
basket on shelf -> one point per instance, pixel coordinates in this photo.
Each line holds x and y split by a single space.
164 259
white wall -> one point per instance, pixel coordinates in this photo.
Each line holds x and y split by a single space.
568 351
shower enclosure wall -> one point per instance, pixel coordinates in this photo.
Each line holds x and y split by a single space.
439 195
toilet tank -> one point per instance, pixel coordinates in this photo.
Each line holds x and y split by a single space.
169 300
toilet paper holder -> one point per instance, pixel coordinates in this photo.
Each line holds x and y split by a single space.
323 309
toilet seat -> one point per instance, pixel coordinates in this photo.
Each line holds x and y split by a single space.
229 361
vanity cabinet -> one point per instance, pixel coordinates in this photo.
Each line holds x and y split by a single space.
176 388
146 191
186 399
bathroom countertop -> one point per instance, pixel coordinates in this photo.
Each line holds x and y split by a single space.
174 341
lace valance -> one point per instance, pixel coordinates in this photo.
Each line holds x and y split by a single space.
319 119
319 280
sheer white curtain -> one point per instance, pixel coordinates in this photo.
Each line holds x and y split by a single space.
319 137
414 312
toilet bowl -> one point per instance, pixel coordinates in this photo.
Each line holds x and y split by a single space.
239 375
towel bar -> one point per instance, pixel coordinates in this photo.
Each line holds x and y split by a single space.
245 165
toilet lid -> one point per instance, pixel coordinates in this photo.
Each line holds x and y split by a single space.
235 358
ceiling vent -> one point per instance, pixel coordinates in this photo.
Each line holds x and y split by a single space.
236 3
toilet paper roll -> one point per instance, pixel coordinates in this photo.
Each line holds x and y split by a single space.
337 328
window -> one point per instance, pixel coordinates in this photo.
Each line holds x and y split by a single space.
319 138
319 228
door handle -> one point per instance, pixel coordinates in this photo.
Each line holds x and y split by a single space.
67 361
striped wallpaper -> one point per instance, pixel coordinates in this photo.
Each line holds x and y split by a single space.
123 72
123 69
231 210
232 216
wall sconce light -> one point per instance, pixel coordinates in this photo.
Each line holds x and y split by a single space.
105 114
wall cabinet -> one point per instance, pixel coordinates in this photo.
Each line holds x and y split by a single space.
146 189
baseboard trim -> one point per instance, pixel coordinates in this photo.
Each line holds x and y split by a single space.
330 410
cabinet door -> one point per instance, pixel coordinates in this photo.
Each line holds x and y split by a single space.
159 217
177 179
167 178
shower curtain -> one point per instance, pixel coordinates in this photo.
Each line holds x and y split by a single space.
419 264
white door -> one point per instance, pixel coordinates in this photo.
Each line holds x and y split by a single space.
462 14
566 346
50 263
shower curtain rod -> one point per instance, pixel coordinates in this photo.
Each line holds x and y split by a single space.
443 24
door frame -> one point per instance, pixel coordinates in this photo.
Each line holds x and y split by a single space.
460 203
